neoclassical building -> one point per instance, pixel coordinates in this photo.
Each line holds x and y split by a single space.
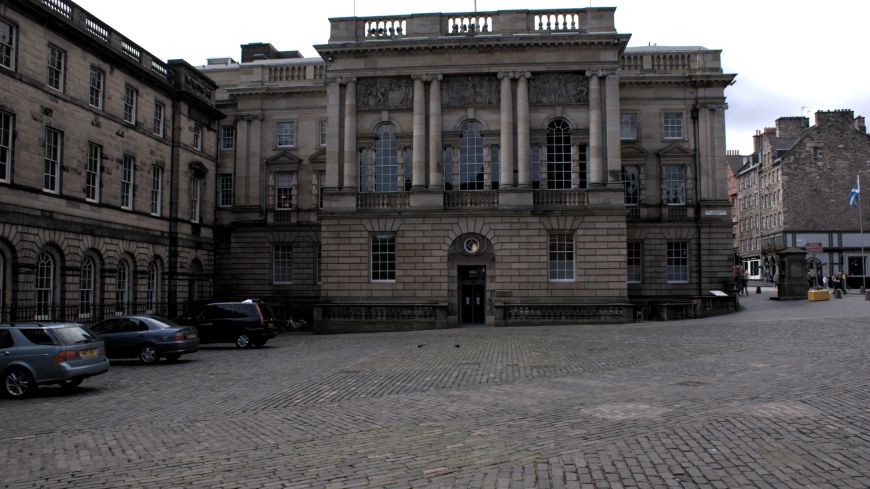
107 170
497 168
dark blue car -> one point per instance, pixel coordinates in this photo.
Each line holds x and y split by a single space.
146 337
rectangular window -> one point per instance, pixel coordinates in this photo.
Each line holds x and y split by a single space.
283 191
286 134
322 133
7 45
672 125
383 257
128 174
495 167
56 67
630 176
225 187
583 166
159 114
628 126
282 264
561 257
197 137
228 137
156 190
131 104
6 122
53 154
675 184
409 169
93 173
634 265
678 262
195 199
98 81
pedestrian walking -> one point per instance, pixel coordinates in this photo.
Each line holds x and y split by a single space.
843 282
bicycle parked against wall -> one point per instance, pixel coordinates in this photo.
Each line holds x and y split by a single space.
293 324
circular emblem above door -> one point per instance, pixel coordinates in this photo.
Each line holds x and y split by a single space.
471 246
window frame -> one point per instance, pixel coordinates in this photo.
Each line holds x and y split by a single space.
557 264
56 71
131 104
385 167
634 262
195 190
156 190
677 266
289 135
87 287
7 133
632 199
122 286
128 182
197 137
225 137
383 254
225 190
558 138
323 133
669 185
159 123
472 157
624 126
284 194
152 288
282 263
97 88
668 125
44 295
10 49
53 161
93 172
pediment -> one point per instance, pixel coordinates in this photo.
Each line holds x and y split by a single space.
283 157
675 150
318 157
633 151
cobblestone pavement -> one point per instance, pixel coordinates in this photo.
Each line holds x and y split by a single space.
725 403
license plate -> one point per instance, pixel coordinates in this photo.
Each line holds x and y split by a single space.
191 336
88 353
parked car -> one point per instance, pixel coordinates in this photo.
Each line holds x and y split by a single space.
42 353
248 323
146 337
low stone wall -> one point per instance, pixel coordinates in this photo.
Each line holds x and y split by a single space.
544 314
369 318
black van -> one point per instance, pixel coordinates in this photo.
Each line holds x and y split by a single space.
248 323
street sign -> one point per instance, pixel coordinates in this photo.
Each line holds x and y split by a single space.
814 247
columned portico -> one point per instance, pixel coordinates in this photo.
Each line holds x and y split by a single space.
596 161
524 167
435 153
350 152
418 159
506 155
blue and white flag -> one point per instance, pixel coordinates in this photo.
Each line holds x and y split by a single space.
856 191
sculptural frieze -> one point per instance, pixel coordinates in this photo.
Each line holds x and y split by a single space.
385 93
558 88
470 91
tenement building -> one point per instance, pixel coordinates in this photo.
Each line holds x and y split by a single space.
793 192
107 170
498 168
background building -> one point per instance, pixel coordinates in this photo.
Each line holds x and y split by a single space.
793 192
107 170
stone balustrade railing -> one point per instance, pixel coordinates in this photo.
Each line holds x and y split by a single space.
544 199
295 71
382 200
656 59
471 198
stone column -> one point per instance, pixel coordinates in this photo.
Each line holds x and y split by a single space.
611 121
436 180
596 160
506 151
524 165
351 156
418 158
333 127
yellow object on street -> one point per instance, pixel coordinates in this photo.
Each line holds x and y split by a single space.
818 295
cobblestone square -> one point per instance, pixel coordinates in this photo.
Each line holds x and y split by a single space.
775 396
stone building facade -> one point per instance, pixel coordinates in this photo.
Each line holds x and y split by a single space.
107 170
793 192
512 167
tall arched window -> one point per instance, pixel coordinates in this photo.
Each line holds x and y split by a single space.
87 287
471 157
152 291
386 162
559 155
44 286
194 286
122 287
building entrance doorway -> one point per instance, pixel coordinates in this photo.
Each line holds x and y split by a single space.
472 295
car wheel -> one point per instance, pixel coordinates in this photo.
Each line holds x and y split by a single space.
71 384
243 341
18 383
259 343
173 357
148 355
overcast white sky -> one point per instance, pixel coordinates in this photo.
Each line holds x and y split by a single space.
787 54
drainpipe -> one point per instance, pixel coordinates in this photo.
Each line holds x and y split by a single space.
697 135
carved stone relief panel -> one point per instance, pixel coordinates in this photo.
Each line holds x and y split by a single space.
470 91
385 93
558 88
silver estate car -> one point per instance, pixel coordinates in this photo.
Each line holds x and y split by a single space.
41 353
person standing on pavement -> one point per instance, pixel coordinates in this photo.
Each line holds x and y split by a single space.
843 281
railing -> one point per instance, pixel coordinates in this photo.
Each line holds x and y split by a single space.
296 72
282 217
471 198
59 6
544 199
398 312
160 69
98 30
469 25
87 315
569 21
131 51
678 213
554 313
655 60
386 27
634 213
382 200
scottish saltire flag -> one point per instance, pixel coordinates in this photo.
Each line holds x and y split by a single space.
856 190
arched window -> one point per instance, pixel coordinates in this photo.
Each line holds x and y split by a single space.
471 157
386 162
194 286
87 287
44 286
559 155
122 287
152 291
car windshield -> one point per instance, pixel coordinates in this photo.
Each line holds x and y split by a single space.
73 335
162 322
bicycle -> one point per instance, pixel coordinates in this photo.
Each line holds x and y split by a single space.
294 324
